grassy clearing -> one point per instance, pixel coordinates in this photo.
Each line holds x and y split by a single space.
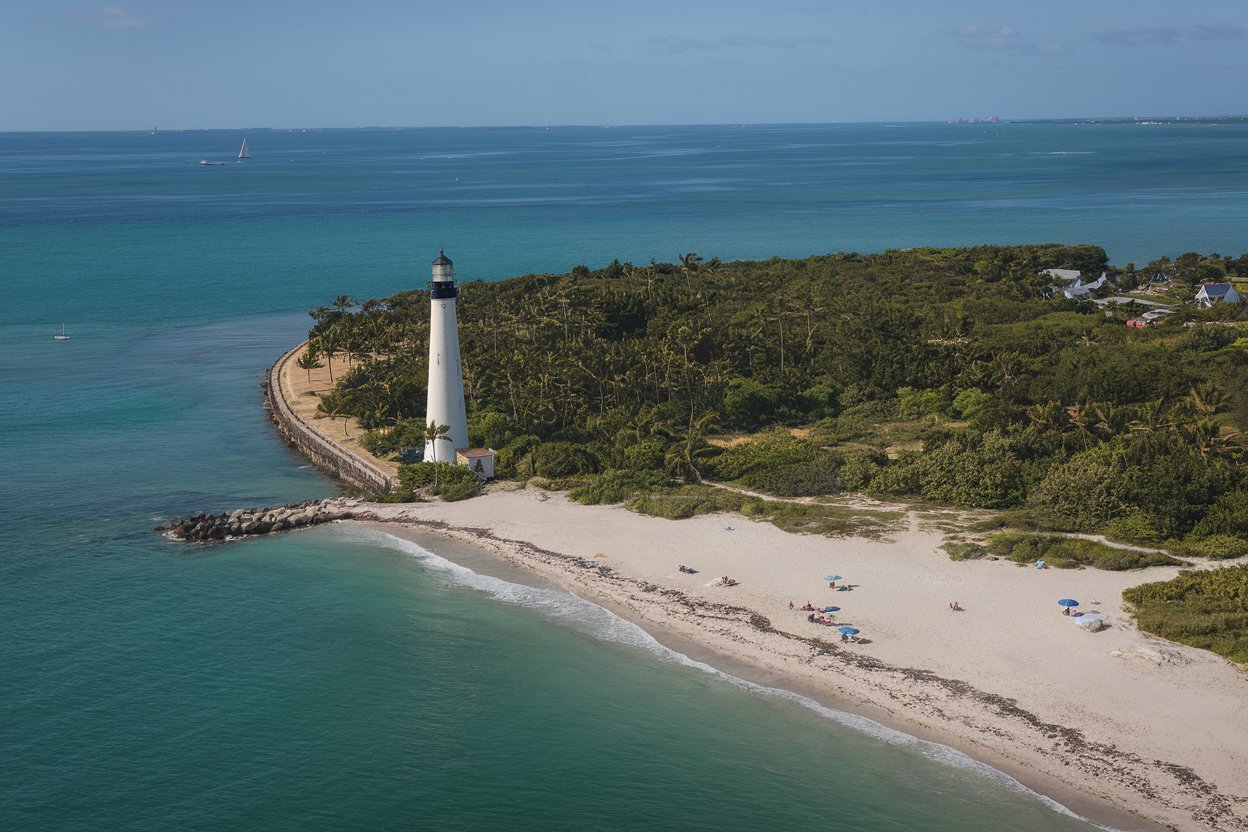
1071 552
1206 609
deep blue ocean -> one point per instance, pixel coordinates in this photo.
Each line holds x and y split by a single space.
339 680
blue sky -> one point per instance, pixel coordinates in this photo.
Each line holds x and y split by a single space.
345 63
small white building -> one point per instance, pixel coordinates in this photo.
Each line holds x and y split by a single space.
480 460
1211 293
1068 275
1079 289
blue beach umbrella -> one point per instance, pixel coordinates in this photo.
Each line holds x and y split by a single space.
832 577
1068 602
830 609
849 631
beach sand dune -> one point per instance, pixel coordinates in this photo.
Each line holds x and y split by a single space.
1124 728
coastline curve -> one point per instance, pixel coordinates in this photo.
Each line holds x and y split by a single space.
322 451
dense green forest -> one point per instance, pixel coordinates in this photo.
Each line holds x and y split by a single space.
944 375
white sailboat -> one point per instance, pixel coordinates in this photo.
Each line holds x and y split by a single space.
243 152
62 336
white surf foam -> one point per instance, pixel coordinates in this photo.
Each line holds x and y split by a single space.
605 625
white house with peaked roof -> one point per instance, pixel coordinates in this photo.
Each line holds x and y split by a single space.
1211 293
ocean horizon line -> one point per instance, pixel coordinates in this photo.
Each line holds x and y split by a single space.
980 122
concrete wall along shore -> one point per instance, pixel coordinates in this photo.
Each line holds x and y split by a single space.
315 445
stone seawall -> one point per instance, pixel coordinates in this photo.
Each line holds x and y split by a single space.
315 445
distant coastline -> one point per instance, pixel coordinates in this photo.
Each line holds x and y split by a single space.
1119 120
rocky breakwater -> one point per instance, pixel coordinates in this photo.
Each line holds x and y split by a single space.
248 522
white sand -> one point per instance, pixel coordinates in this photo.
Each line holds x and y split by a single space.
1115 718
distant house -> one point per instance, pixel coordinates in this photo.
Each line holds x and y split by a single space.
1067 275
1161 277
1211 293
480 460
1137 323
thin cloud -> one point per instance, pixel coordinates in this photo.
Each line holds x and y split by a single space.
1001 39
981 37
115 17
709 44
1169 35
1216 31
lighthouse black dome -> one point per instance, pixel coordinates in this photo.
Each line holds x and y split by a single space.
442 286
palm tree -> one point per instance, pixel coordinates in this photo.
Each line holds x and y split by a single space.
342 303
433 433
309 361
689 263
327 343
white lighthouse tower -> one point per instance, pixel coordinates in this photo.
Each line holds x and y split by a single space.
446 379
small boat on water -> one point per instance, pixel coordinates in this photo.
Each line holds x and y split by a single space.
243 152
62 336
213 164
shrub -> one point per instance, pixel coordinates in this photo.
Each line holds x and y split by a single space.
778 463
860 466
1229 515
1136 527
967 469
1071 552
1214 547
513 458
616 486
749 404
958 550
453 482
646 455
453 491
687 501
915 404
1206 609
562 459
970 403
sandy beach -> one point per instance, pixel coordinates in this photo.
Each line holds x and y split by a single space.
1123 728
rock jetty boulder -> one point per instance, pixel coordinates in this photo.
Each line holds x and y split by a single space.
204 527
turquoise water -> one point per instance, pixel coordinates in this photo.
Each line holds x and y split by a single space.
335 679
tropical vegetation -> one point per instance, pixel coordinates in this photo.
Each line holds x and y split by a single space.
946 375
